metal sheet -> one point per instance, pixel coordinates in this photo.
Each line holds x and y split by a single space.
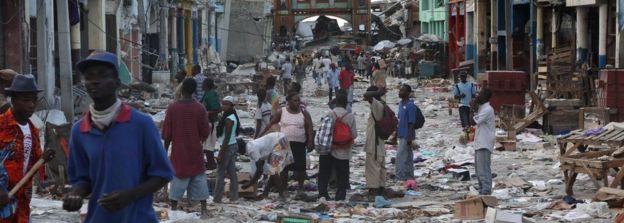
572 3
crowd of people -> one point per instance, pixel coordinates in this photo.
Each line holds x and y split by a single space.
118 159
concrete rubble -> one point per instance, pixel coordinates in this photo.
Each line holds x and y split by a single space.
528 180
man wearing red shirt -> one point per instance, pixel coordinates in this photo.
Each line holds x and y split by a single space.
186 126
346 83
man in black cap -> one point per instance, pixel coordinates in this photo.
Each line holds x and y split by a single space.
116 155
18 133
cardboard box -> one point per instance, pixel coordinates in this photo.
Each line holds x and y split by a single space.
498 216
242 178
474 208
614 197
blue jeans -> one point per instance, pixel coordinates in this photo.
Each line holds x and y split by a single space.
350 98
483 170
196 188
404 161
227 163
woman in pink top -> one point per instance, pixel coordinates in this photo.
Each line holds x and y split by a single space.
296 123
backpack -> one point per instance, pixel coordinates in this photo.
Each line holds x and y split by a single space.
387 125
420 119
323 137
342 138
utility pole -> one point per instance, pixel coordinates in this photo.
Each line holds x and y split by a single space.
45 43
508 36
164 33
141 19
493 35
65 63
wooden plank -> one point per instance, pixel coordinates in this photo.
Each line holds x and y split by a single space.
618 178
612 136
604 134
591 175
619 138
599 137
612 190
613 133
616 138
572 149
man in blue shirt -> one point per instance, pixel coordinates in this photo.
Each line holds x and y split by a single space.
406 134
116 155
464 92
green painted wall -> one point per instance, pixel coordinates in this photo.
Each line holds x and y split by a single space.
433 17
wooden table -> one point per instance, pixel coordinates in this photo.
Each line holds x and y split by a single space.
587 163
590 163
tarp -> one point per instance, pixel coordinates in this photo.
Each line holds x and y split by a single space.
429 38
248 69
124 73
404 41
385 44
304 30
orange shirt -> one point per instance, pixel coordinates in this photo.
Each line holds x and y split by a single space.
10 132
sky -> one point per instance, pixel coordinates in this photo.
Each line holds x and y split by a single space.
341 21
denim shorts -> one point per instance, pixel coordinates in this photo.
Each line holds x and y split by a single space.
196 188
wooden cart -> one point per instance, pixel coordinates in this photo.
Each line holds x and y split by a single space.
589 162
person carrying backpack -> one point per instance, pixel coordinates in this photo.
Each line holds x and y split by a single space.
409 116
337 159
379 124
464 92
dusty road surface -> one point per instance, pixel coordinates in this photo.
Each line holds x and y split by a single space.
535 162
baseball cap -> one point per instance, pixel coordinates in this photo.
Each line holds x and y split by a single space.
98 56
229 99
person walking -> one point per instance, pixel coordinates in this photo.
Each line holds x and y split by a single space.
379 77
406 134
332 80
286 75
120 185
199 78
213 107
227 131
272 96
346 83
345 132
464 91
485 138
19 134
371 69
317 69
326 62
375 168
297 125
299 70
185 127
263 113
361 65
